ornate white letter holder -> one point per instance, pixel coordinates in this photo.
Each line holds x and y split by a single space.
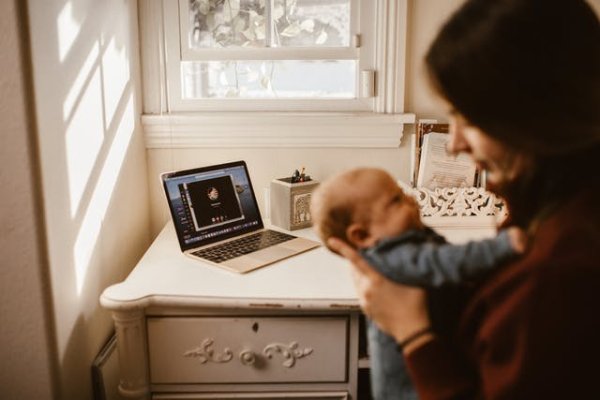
458 202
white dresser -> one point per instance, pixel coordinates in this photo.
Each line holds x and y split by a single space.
187 330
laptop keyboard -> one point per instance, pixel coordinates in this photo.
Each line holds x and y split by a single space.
247 244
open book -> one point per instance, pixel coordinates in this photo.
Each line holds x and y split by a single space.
433 167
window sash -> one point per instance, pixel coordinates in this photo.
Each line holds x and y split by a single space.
278 53
268 53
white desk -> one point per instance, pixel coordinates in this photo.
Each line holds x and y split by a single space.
187 330
176 317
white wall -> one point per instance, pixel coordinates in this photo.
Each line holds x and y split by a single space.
25 329
425 18
93 167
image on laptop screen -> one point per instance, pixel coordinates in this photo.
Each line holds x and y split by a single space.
212 204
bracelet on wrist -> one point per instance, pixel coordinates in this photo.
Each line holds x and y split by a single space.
414 336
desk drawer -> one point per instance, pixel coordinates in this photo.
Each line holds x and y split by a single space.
243 350
256 396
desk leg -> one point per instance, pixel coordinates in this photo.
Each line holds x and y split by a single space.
130 327
353 356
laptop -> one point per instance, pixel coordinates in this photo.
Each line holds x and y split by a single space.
217 219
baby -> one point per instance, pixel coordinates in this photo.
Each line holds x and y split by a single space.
368 210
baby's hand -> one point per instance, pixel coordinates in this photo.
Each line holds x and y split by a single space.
518 239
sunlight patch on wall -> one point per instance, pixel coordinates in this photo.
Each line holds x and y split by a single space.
89 232
84 138
115 69
79 84
68 29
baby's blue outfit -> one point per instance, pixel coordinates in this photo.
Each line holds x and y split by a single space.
422 258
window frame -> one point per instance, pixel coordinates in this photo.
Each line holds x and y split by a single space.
169 123
176 38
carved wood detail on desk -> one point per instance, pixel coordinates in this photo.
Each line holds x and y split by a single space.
205 353
289 352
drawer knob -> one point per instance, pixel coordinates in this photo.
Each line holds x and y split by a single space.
289 352
247 357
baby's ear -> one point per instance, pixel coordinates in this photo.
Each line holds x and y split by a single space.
357 235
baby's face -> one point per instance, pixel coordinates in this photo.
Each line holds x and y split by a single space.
392 211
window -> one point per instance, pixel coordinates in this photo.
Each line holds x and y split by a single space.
294 56
257 49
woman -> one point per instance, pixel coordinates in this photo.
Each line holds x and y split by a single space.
522 82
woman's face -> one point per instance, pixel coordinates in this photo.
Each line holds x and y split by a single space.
502 163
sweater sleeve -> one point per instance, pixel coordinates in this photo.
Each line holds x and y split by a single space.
435 264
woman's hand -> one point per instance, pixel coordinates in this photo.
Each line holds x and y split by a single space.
518 239
397 309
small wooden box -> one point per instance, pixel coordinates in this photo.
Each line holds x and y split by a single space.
290 203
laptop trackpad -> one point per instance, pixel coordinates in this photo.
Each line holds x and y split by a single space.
273 252
259 258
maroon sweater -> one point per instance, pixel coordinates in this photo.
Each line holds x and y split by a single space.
531 331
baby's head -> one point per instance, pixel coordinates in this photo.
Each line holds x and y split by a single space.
362 206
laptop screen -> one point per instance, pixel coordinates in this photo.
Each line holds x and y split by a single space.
212 203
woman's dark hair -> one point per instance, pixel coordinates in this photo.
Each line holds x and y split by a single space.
527 72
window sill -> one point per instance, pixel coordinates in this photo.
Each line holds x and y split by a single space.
362 130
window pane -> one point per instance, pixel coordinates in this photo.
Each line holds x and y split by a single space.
269 79
269 23
300 23
227 23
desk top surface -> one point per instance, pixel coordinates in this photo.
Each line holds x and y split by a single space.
315 280
164 276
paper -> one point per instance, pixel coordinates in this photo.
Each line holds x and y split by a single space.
439 169
424 126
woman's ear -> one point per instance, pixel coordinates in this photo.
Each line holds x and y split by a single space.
358 235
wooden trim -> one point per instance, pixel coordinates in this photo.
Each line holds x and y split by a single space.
270 53
275 130
392 29
152 49
334 395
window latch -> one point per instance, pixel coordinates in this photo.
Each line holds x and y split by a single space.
367 83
